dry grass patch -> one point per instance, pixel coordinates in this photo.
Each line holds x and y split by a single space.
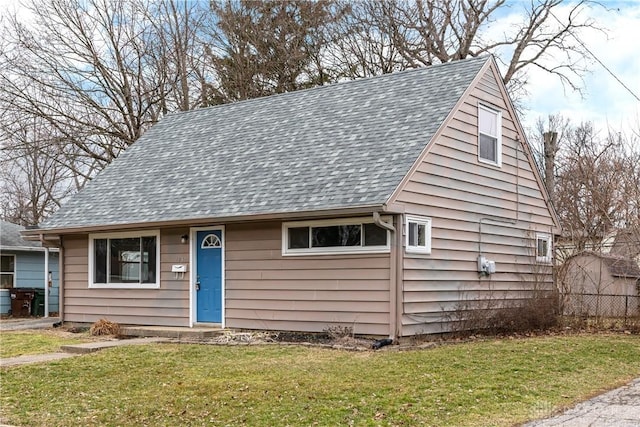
105 327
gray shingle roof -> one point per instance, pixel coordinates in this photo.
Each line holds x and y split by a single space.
331 147
10 237
622 267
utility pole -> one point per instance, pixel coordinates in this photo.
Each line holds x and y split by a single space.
550 148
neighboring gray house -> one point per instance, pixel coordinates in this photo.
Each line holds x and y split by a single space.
22 266
371 203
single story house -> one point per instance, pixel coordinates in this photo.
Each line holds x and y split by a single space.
595 284
22 265
378 204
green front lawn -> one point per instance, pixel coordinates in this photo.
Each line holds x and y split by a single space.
494 382
19 343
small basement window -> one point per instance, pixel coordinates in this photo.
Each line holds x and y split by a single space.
7 271
352 235
124 260
489 135
543 248
418 235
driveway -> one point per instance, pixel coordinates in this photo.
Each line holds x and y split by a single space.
617 408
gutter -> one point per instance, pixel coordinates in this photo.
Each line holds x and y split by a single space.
34 233
26 248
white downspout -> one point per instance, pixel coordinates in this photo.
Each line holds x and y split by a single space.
393 283
377 220
46 276
46 281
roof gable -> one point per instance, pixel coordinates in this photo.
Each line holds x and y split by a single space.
10 237
341 146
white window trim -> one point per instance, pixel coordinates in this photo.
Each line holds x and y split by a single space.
14 272
331 251
498 137
546 258
148 233
418 249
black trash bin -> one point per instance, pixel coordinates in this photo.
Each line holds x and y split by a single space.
37 305
21 301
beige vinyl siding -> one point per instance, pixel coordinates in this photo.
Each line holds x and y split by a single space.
456 191
265 290
166 306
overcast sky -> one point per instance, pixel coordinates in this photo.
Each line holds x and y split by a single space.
605 101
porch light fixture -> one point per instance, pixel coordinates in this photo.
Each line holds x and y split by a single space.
184 238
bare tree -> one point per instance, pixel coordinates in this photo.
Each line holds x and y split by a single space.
33 178
266 47
412 33
365 40
596 187
176 48
98 71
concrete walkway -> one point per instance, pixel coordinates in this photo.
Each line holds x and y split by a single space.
66 350
28 323
76 350
617 408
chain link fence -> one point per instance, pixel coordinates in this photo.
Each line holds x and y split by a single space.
600 305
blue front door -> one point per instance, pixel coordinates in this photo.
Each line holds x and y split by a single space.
209 276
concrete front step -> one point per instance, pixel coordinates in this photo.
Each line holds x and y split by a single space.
171 332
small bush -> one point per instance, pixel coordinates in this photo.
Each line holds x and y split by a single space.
105 327
498 316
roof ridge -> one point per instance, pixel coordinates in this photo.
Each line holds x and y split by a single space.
334 84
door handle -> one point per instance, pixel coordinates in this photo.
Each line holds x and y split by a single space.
197 286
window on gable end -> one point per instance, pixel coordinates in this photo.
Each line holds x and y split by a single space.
489 135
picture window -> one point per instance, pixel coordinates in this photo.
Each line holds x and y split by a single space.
126 260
